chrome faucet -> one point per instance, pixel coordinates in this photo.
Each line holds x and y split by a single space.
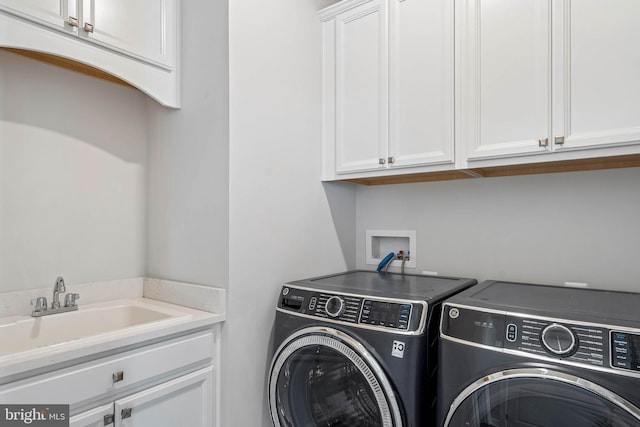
57 289
70 304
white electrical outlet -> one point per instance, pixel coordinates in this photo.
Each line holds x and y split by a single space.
379 243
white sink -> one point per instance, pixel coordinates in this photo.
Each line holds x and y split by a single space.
25 334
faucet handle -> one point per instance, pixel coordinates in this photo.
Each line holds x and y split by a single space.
70 299
39 304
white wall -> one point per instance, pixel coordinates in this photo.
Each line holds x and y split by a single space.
284 223
72 177
188 201
578 226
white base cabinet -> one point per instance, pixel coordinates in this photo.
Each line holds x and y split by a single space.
166 384
185 401
134 41
97 417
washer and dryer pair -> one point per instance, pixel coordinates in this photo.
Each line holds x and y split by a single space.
363 349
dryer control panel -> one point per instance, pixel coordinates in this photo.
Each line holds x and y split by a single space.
558 339
540 337
369 312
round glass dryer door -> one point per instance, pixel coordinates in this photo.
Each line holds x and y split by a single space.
539 398
322 377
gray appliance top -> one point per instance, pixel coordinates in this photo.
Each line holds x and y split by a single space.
388 285
591 305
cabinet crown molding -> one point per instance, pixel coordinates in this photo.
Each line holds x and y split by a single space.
330 12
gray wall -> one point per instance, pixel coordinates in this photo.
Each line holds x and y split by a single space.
73 153
188 200
579 226
284 223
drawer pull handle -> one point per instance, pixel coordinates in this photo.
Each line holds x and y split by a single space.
118 376
108 419
125 413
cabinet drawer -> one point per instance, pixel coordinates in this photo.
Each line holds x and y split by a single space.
112 374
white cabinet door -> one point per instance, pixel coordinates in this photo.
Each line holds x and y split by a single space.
504 77
98 417
53 13
139 28
597 73
421 129
185 401
361 120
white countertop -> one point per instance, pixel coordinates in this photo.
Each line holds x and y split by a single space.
180 320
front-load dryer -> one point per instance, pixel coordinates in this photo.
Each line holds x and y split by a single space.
357 349
516 355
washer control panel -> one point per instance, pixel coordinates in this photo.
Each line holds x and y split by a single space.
388 314
577 343
547 338
625 350
371 312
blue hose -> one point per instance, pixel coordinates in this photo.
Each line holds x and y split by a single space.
385 261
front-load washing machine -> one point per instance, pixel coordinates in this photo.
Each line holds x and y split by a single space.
521 355
357 349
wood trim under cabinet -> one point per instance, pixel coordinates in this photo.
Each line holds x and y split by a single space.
597 163
413 177
68 64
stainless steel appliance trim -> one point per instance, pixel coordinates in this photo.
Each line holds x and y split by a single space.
545 374
348 347
550 319
421 325
610 370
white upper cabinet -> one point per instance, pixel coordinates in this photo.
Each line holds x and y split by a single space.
597 73
54 13
504 76
361 87
388 86
539 77
421 99
134 40
137 28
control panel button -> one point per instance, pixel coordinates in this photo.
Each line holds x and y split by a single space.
512 332
312 303
558 340
334 306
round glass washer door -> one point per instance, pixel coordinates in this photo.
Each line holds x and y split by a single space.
321 377
539 398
